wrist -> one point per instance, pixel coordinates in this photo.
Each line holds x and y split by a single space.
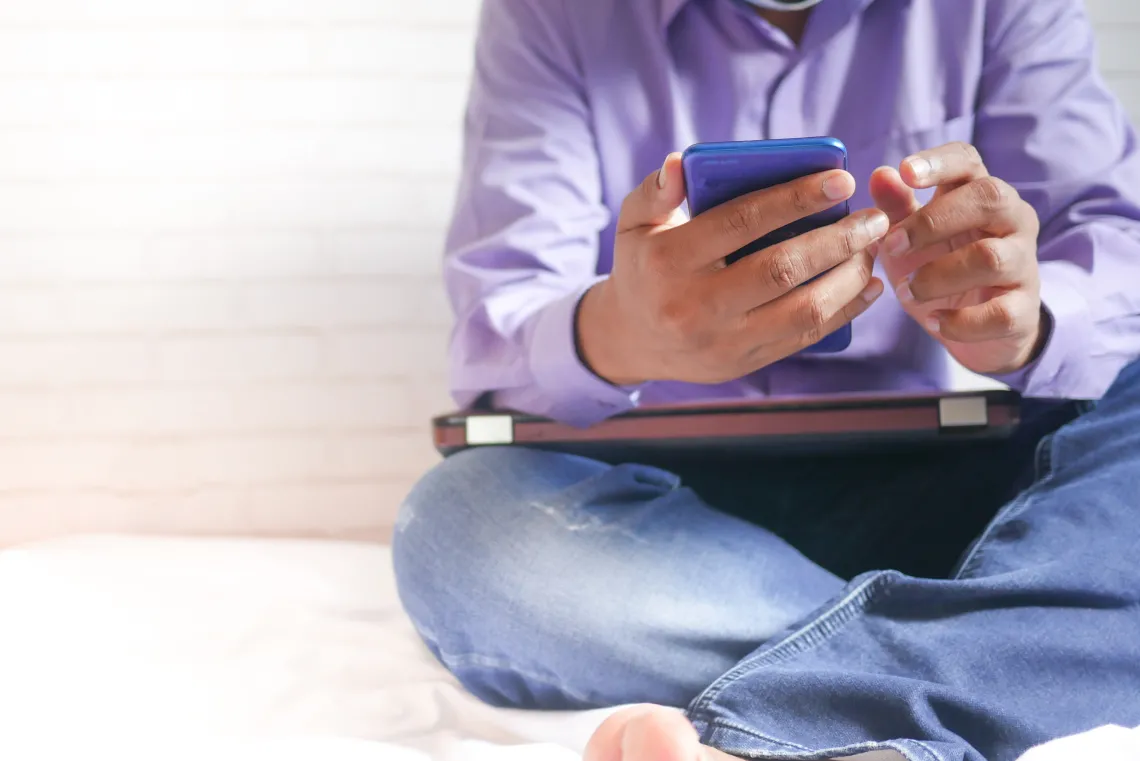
1040 338
1032 349
1044 332
598 338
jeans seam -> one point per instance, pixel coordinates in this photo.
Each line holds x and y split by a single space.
1044 460
846 751
804 638
759 735
931 753
1043 463
975 555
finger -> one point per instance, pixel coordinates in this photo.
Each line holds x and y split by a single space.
765 355
1009 315
808 313
951 164
729 227
987 205
656 199
987 263
767 275
892 195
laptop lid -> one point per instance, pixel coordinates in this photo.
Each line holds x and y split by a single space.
806 424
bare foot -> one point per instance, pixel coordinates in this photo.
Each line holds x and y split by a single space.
649 733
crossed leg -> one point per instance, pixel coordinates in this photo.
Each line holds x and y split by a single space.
1036 637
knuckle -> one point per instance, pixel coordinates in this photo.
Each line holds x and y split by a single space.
714 310
854 238
646 189
969 153
989 256
1004 319
813 335
864 267
851 311
992 193
927 221
814 313
639 198
659 259
641 206
919 290
799 200
677 318
785 269
741 219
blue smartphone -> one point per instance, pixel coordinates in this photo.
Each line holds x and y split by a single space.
718 172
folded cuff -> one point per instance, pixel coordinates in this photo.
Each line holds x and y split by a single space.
1062 369
575 394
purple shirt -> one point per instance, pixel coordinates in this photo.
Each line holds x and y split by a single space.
574 102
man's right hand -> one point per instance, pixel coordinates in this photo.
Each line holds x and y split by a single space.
672 310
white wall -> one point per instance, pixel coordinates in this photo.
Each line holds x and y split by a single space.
1118 31
220 233
220 224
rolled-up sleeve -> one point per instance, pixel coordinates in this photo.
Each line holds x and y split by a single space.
523 245
1049 125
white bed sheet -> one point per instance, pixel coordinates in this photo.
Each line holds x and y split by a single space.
214 648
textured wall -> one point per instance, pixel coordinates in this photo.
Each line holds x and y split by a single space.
220 224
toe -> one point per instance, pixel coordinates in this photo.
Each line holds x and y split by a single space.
606 742
663 734
649 733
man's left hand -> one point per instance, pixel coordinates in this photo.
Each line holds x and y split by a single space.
965 264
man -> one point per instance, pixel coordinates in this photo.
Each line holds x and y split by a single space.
1003 228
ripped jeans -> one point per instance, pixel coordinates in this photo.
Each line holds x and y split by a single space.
750 592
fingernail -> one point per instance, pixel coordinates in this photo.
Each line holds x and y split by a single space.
933 325
662 175
920 166
896 244
903 293
878 225
837 188
873 291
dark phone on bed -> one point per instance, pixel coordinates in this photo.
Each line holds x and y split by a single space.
718 172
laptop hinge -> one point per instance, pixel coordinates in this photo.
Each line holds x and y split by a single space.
490 430
963 412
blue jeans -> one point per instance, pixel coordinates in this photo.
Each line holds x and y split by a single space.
749 590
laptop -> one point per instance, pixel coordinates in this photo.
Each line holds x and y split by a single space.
784 426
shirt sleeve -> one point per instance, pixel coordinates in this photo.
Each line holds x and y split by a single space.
1048 124
523 244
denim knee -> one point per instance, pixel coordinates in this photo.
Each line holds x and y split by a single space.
462 539
500 555
439 548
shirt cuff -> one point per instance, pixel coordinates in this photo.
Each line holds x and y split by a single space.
1061 371
575 394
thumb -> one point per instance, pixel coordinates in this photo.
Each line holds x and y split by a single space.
895 199
657 199
893 196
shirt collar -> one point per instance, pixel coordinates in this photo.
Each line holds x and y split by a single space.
670 8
